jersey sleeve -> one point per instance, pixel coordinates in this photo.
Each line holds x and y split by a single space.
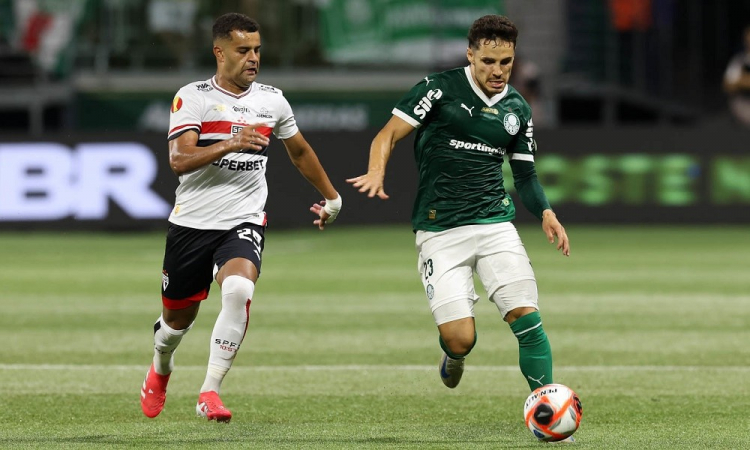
521 155
185 113
286 126
417 105
523 147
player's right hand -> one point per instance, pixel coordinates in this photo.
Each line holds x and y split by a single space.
371 183
249 139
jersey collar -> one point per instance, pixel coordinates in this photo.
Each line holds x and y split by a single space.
224 91
489 101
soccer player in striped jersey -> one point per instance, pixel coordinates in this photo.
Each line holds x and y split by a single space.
467 120
219 148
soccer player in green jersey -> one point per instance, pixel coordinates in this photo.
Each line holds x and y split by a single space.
467 119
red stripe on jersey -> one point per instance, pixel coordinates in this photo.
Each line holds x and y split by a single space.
220 126
225 127
184 126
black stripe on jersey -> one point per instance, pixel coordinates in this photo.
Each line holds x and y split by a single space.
207 142
181 132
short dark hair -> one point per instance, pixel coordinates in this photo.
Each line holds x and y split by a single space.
229 22
490 28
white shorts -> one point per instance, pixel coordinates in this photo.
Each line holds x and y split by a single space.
448 260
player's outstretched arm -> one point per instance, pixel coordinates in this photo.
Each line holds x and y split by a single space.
380 151
185 155
553 228
306 161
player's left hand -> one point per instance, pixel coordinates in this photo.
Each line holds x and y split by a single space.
553 228
327 211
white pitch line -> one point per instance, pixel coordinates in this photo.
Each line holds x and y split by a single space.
376 367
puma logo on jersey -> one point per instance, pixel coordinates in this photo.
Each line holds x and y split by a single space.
468 109
425 104
427 81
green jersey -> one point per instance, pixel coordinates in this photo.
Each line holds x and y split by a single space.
461 138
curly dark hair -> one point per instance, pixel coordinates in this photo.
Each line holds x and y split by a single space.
229 22
490 28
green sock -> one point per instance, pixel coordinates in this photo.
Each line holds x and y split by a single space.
534 352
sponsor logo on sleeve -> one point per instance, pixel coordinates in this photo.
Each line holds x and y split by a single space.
425 104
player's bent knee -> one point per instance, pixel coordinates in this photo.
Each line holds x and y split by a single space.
460 345
517 313
458 340
236 291
182 318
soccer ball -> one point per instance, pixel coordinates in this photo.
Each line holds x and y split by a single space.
552 412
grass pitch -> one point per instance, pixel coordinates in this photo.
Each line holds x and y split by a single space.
650 325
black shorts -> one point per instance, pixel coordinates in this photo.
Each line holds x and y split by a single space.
192 258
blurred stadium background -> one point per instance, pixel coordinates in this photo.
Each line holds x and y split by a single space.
628 92
638 153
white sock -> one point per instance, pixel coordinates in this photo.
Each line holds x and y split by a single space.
230 328
166 340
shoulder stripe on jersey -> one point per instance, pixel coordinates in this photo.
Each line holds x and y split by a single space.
225 127
193 125
522 157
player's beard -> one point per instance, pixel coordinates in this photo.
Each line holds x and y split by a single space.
249 77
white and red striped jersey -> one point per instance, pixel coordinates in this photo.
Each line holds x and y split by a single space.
233 189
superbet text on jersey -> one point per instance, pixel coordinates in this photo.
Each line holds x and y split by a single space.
233 189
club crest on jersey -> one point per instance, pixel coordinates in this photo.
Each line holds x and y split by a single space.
176 103
511 123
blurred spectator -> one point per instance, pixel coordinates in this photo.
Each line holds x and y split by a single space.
527 81
174 22
737 82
